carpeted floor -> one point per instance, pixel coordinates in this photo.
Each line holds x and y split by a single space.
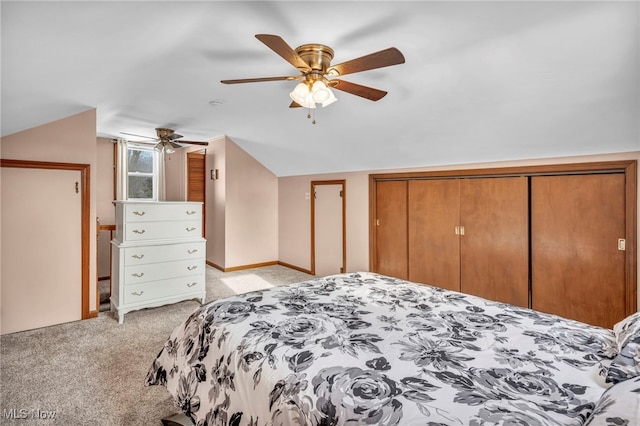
92 372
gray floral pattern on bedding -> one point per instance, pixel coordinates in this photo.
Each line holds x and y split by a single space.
366 349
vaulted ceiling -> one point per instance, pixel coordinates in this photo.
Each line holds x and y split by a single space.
483 81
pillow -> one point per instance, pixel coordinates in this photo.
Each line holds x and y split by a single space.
618 405
626 364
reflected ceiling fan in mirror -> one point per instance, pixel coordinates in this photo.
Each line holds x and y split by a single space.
166 140
319 76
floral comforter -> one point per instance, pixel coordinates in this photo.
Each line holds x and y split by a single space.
366 349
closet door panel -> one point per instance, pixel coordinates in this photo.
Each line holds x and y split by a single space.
494 249
577 269
391 228
434 248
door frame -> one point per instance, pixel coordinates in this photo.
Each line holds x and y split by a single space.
343 184
628 167
85 172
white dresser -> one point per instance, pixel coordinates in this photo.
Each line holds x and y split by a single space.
158 255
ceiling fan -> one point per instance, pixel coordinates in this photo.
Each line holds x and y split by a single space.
318 75
166 140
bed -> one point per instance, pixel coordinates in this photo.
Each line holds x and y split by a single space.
367 349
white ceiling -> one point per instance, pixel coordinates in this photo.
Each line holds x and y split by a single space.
483 81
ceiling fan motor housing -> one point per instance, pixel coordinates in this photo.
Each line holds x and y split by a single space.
317 56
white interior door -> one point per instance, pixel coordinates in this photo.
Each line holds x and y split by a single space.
328 229
41 274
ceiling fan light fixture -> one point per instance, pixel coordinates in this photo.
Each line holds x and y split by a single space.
331 99
308 96
320 92
165 147
302 95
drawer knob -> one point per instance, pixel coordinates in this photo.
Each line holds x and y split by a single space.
138 275
137 213
137 293
137 231
191 268
192 251
190 212
190 229
137 256
191 284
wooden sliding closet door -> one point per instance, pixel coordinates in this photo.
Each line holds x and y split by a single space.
434 248
578 270
391 228
494 248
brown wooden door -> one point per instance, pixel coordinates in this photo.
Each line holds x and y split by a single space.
391 229
494 247
577 269
195 176
434 247
196 182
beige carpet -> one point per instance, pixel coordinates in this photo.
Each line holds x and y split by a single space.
92 372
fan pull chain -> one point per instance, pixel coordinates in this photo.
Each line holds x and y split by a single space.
314 116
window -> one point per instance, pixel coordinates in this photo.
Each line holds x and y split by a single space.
142 173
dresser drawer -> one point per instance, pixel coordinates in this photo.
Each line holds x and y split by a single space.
160 289
141 255
142 212
145 231
161 271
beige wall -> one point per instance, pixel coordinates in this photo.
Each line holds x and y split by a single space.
242 208
104 202
251 213
294 238
70 140
175 172
216 196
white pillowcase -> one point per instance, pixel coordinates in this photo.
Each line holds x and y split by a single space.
618 405
626 364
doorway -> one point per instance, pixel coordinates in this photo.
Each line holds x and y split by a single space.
328 229
45 207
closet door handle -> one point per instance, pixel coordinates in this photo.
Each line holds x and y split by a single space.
192 251
138 231
137 293
190 212
190 229
192 284
191 268
456 230
137 256
137 213
138 275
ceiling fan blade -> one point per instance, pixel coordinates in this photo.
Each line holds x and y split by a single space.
173 136
278 45
174 144
139 136
194 143
383 58
358 90
294 104
257 80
